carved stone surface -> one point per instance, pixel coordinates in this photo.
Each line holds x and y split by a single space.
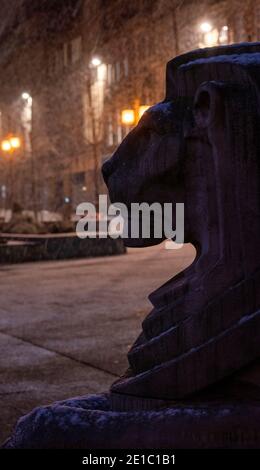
200 146
89 423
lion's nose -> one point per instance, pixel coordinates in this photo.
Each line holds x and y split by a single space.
107 170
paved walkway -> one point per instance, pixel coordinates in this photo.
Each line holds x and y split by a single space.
65 326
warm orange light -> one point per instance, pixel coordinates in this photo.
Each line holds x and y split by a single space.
142 110
128 116
15 142
6 146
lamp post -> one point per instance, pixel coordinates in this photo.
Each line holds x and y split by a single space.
128 117
9 146
94 64
27 127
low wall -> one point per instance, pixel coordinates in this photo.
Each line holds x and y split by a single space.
21 248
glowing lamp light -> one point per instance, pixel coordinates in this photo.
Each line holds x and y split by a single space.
25 96
128 116
206 27
6 146
15 142
142 110
211 38
223 35
95 61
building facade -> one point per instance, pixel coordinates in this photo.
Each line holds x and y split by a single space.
76 75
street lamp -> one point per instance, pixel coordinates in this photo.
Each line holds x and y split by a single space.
26 117
25 95
10 144
95 61
95 97
130 117
6 146
206 27
224 35
15 142
27 98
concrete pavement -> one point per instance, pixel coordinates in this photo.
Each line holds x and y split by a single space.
66 326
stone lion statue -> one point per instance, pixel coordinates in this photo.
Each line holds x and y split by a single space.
200 146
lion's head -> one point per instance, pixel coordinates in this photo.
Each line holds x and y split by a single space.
199 146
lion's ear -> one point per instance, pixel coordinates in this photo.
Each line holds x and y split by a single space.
208 104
